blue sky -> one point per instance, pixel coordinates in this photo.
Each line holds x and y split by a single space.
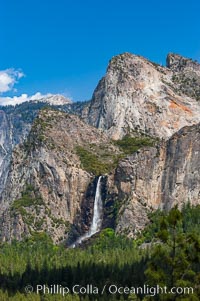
64 46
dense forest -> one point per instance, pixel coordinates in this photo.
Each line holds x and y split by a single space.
165 254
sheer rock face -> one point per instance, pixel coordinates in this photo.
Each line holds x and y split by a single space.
13 130
137 95
158 178
5 147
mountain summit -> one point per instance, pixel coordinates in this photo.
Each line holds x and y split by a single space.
138 95
55 100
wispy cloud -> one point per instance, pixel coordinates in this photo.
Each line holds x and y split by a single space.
8 78
5 101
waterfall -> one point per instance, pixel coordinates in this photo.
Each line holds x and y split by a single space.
97 216
98 211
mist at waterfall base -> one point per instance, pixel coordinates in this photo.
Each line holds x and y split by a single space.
97 216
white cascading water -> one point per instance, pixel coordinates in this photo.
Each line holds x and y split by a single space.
97 216
98 211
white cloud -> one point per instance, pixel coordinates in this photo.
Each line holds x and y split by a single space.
5 101
8 78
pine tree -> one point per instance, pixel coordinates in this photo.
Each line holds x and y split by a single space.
174 257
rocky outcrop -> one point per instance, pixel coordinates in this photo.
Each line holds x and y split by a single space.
138 95
157 177
178 63
16 122
186 75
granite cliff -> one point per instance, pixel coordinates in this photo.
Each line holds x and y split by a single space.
16 122
48 187
140 130
157 177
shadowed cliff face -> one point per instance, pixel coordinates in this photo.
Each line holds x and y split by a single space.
5 147
137 95
181 175
13 130
157 178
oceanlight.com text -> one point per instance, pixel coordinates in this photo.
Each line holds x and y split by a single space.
112 289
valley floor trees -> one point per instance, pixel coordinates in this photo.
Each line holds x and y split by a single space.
171 259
